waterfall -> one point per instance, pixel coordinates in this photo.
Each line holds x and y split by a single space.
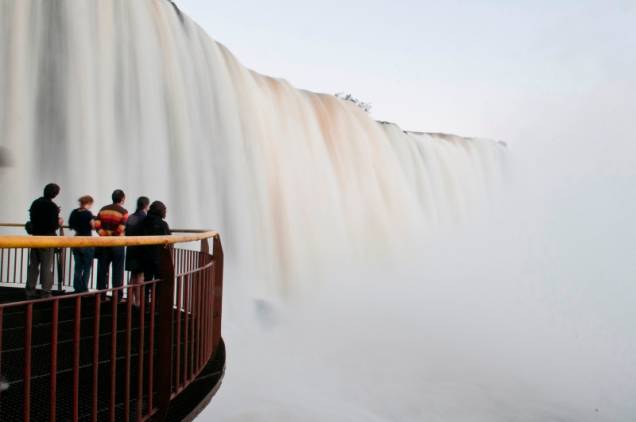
98 95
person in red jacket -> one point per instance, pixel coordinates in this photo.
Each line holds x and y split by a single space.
111 221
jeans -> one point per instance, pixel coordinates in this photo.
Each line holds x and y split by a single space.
41 263
106 256
83 263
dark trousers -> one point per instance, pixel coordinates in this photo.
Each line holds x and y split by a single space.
41 263
83 258
114 255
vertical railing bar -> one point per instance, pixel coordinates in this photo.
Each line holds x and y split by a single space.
65 257
199 320
22 264
204 316
186 295
178 337
192 327
207 315
113 356
195 322
200 317
96 336
203 260
206 328
165 341
76 356
15 265
4 267
208 319
54 337
11 254
151 346
204 302
92 285
1 331
140 364
71 268
218 287
193 348
129 304
27 361
1 264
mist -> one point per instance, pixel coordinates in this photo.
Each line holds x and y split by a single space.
523 313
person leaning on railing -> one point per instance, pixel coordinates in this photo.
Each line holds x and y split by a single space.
44 220
111 221
134 254
81 221
154 225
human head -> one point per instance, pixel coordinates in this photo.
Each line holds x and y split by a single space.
157 208
51 190
118 196
85 201
142 203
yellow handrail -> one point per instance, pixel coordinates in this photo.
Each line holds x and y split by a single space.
25 241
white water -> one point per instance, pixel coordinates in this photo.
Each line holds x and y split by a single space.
349 294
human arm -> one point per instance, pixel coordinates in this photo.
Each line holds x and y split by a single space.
97 223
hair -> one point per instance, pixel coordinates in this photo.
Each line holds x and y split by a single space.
51 190
85 200
118 196
157 208
142 202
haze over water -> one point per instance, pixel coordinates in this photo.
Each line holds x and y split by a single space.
374 274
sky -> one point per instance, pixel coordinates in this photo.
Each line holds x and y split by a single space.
479 68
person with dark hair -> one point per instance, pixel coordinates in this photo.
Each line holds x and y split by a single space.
44 221
134 254
154 225
111 221
81 221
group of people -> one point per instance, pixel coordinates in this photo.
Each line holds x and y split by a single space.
112 220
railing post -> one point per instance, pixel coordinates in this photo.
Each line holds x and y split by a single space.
218 290
205 251
165 303
59 255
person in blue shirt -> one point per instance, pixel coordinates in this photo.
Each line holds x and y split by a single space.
81 221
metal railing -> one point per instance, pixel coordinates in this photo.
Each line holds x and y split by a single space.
88 356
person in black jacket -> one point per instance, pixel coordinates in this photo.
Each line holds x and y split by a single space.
45 220
154 225
134 254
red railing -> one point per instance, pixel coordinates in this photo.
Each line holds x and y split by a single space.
87 356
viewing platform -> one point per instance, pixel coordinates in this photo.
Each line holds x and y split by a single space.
90 356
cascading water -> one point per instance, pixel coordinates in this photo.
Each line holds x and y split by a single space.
331 220
98 95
